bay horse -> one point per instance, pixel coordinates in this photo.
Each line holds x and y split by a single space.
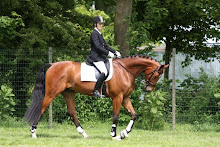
64 78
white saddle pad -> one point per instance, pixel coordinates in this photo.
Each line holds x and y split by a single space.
89 73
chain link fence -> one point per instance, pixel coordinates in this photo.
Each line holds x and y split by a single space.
195 91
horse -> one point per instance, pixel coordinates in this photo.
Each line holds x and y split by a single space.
64 78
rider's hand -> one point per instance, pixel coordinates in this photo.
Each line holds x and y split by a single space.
110 54
118 54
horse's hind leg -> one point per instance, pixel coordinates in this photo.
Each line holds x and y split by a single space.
50 94
69 96
46 101
128 106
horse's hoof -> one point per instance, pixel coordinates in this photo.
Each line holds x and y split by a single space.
85 135
118 138
124 133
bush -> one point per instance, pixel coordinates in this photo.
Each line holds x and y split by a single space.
151 110
197 98
7 102
87 108
205 127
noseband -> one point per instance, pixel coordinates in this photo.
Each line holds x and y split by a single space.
152 73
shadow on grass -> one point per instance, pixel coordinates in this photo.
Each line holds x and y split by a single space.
91 137
100 137
42 136
45 135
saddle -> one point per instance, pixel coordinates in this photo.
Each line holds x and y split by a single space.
91 73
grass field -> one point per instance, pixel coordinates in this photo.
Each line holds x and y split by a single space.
65 135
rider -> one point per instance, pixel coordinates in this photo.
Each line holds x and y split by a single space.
99 52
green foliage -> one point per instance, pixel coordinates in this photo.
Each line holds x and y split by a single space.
206 126
8 26
217 95
87 109
36 25
183 24
198 98
92 13
151 110
61 25
7 102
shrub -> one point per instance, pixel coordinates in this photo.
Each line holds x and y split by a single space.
151 110
7 101
198 98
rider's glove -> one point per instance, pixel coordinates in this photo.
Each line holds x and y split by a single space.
110 54
118 54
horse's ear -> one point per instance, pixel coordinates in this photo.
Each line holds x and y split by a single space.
161 67
165 66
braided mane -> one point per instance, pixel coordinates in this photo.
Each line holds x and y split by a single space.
140 56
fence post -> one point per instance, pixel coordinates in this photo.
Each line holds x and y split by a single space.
50 107
174 91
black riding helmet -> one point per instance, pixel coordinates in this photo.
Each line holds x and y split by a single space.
98 19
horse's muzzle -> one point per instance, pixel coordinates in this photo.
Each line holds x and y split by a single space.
149 88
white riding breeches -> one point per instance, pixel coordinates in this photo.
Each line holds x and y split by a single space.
101 66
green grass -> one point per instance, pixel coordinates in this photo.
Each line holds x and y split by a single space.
18 134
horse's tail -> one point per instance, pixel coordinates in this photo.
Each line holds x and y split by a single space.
33 113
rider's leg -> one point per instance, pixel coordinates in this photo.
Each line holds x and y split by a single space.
98 85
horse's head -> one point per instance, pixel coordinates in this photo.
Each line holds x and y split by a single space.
151 77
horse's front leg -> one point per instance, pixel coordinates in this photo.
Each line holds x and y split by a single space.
116 101
128 106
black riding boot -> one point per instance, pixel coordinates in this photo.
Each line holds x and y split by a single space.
98 85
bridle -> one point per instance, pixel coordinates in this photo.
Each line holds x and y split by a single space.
152 73
148 82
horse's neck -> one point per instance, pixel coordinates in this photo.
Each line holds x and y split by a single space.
138 65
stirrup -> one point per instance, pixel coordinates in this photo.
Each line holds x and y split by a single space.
97 94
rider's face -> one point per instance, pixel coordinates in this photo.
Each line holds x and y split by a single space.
99 26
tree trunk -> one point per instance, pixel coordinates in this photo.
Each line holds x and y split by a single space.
167 57
122 20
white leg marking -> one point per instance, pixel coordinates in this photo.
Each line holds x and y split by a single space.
34 135
33 131
130 126
125 133
113 131
81 131
85 135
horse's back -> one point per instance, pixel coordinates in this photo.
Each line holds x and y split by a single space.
64 65
63 71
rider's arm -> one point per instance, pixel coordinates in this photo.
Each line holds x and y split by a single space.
98 46
108 47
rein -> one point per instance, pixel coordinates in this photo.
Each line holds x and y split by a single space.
152 73
126 69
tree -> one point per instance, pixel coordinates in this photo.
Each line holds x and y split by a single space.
181 24
26 34
8 26
122 20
